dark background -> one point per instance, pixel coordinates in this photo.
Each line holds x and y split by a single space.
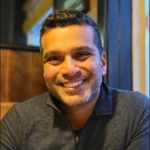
11 19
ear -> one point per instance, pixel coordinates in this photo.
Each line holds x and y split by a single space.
104 63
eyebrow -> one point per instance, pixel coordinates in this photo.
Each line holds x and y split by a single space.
56 52
49 53
82 48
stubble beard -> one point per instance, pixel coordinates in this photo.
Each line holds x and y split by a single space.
71 101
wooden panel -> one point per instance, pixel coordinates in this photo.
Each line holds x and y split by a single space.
4 108
21 75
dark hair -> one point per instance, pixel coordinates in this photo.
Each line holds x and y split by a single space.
62 18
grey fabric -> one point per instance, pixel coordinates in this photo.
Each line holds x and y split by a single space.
119 122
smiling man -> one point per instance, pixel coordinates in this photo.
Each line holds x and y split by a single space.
73 69
79 111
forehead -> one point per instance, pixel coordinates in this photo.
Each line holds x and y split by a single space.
66 39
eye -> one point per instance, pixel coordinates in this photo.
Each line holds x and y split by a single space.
54 60
82 55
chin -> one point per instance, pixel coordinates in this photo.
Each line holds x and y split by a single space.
73 101
74 104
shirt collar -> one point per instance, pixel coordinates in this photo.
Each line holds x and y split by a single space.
104 104
53 102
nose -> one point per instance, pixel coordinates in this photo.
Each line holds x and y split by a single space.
70 69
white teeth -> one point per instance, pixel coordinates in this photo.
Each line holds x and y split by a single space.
72 85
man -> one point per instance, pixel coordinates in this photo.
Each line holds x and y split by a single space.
79 112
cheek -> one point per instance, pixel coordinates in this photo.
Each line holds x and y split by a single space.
50 73
94 68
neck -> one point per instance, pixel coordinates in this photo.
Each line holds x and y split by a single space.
79 115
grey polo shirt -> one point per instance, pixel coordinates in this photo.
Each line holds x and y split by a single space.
119 122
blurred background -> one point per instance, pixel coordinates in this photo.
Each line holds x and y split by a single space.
124 27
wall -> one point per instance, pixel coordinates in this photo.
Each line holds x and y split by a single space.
21 76
93 9
11 18
139 21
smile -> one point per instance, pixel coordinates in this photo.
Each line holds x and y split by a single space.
73 84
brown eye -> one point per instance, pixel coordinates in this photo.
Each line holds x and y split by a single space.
54 60
82 55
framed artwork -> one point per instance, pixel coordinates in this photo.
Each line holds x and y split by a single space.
81 5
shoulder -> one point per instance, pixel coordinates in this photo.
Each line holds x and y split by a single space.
130 101
29 108
130 97
34 101
26 118
130 108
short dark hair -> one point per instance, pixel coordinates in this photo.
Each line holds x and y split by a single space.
62 18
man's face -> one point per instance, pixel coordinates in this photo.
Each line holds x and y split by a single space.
73 67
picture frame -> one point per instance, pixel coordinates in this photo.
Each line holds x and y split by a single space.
80 5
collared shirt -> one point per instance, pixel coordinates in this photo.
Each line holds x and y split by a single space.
119 122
